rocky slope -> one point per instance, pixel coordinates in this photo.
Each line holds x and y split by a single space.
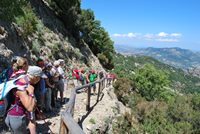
103 113
50 41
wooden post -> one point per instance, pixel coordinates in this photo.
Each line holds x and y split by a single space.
88 98
72 112
63 129
104 82
99 90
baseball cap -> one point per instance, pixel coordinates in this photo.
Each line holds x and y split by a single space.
49 65
36 71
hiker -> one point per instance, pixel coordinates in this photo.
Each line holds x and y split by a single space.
110 78
101 74
23 101
92 77
49 87
75 75
82 79
40 88
5 76
61 84
55 74
82 76
18 64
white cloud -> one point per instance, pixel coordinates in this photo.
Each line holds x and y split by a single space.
117 35
149 36
167 40
163 34
175 35
129 35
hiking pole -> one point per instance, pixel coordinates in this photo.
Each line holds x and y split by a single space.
44 119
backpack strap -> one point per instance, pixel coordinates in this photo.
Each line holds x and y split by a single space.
12 106
22 85
4 88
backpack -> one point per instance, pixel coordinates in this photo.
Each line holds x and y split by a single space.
101 75
7 86
4 76
81 78
75 74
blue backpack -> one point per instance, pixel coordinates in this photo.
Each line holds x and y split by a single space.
4 75
3 80
81 78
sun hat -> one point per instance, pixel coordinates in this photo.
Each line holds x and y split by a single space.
61 60
56 63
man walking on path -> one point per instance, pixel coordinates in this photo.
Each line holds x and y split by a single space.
91 77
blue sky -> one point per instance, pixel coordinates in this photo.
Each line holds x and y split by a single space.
149 23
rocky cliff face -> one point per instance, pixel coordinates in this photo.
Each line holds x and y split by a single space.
50 41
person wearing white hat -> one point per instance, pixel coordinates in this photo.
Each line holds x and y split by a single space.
23 101
60 85
55 74
37 74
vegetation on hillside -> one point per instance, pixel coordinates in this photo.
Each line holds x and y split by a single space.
20 12
155 106
97 38
80 23
126 66
69 12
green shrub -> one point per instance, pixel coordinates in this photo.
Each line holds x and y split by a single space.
35 46
102 58
196 101
122 88
124 125
150 81
92 121
183 127
27 21
181 109
11 9
167 95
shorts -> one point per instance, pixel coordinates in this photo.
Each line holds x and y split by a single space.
60 85
93 85
17 124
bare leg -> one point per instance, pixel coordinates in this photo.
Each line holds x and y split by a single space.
32 126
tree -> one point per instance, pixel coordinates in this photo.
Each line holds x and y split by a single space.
97 38
69 12
9 9
196 101
150 81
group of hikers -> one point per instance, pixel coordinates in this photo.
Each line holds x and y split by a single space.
27 91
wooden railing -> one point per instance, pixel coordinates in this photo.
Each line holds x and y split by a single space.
68 125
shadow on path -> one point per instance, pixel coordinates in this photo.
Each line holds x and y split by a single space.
80 122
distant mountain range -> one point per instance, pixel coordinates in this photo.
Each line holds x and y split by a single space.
177 57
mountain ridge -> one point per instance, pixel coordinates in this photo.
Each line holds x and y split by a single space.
175 56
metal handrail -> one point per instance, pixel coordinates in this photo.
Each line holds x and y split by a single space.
68 124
